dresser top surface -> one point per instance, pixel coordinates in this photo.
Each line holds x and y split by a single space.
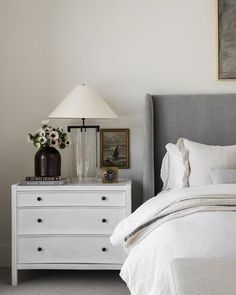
76 185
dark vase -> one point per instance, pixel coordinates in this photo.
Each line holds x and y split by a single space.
47 162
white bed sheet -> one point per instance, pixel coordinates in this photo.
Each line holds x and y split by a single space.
204 234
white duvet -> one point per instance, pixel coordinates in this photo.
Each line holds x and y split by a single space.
199 234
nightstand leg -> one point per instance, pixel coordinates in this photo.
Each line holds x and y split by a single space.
14 277
14 271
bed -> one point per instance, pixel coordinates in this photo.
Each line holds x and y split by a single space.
190 222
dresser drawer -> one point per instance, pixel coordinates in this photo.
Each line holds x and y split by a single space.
68 220
72 198
68 250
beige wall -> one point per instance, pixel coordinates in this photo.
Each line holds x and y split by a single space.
123 48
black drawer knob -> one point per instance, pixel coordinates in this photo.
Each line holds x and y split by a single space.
40 249
104 220
39 220
104 198
104 249
39 199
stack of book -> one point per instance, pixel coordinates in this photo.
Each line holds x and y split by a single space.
43 180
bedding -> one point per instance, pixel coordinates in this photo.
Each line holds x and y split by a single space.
189 222
219 176
174 168
203 158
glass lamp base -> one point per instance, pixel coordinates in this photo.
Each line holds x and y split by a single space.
84 158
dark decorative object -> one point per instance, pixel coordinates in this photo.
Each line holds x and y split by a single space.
226 39
110 175
47 162
114 149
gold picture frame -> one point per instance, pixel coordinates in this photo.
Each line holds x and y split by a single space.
226 41
114 148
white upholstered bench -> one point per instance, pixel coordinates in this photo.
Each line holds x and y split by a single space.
205 276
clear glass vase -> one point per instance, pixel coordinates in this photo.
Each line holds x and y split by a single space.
84 153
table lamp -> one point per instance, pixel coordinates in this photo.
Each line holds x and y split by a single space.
84 103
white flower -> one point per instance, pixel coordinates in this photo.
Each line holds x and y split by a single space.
53 143
42 139
47 129
49 136
53 135
45 122
42 133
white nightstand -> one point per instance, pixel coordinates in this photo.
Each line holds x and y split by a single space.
67 227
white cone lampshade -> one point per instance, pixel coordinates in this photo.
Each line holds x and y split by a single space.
83 102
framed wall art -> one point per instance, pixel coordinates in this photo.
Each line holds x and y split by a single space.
114 148
226 39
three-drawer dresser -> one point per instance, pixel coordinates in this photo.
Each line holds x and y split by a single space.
68 226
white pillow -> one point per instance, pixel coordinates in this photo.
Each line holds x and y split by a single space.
174 169
203 158
219 176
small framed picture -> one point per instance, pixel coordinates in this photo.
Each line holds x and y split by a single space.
114 148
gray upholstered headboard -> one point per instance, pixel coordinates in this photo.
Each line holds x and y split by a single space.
209 119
